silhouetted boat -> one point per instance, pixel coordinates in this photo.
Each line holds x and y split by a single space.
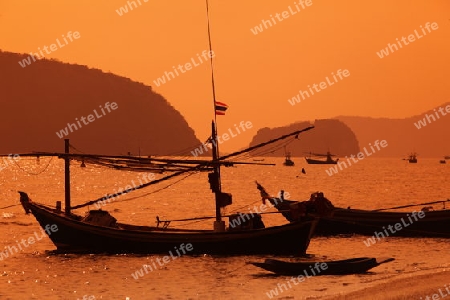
365 222
288 162
315 268
336 221
412 158
98 231
443 161
328 161
447 157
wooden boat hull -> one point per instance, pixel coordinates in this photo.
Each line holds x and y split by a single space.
365 222
75 236
338 267
311 161
354 221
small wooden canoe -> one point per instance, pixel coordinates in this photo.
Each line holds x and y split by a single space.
314 268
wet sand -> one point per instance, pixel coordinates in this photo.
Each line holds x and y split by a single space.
414 287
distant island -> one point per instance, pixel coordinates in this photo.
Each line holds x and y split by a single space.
99 112
428 134
328 135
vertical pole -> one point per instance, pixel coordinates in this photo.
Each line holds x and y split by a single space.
67 177
219 225
216 171
211 62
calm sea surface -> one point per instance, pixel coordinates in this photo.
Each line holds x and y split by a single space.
37 273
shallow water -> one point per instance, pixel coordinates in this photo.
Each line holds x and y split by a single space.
37 273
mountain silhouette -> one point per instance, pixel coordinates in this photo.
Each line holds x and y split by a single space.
47 97
428 136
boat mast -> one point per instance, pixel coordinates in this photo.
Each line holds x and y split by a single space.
215 181
212 67
67 177
214 178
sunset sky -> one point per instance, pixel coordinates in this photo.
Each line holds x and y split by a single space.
255 75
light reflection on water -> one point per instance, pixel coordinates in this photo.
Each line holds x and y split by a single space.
36 273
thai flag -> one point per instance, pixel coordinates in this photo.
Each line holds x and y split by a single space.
221 108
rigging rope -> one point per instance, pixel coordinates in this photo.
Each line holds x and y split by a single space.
202 219
156 191
193 169
74 148
412 205
31 173
10 206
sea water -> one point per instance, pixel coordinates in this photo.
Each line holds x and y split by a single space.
35 272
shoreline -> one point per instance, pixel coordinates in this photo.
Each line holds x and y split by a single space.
405 288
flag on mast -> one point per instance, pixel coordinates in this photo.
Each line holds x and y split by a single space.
220 108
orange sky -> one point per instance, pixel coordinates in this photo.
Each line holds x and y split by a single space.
255 74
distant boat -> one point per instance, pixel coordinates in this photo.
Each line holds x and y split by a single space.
288 162
442 161
412 158
328 161
447 157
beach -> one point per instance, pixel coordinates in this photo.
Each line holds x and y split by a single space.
412 287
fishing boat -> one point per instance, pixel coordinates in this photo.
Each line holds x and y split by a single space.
412 158
315 268
99 232
365 222
328 159
443 161
288 162
424 222
447 157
